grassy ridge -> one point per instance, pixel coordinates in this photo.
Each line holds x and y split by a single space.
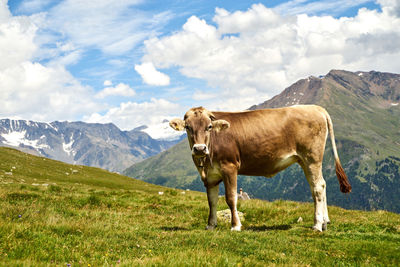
93 217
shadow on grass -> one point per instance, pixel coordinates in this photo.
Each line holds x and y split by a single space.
262 228
173 228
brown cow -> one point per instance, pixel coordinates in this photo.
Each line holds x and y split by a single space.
260 143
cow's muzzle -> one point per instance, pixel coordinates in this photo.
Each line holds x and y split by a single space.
200 150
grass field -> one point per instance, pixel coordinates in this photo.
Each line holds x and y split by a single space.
55 214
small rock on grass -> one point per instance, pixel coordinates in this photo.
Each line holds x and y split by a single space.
225 215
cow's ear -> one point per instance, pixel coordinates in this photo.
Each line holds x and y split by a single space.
177 124
220 125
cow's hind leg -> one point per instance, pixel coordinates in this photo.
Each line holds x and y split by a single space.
326 216
212 196
317 184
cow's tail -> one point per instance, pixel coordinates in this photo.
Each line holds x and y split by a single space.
345 186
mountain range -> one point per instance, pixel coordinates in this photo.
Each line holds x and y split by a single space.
90 144
365 110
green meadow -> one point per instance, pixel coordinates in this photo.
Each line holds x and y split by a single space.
55 214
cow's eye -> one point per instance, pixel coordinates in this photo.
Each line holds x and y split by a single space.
209 127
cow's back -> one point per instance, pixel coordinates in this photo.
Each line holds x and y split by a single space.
263 142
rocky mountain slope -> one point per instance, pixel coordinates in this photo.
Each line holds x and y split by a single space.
365 110
91 144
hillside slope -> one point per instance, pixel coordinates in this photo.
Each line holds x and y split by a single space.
365 110
55 214
180 172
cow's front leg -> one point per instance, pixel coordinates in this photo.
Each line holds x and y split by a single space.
230 181
212 195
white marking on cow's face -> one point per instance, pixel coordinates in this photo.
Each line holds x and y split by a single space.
200 150
198 127
199 123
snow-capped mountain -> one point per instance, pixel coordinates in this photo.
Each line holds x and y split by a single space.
161 131
91 144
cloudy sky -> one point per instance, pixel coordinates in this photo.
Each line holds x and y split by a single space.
135 62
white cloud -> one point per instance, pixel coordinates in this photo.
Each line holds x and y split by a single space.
152 76
129 115
32 90
199 95
391 6
16 40
114 27
4 12
118 63
119 90
231 100
266 51
315 7
107 83
33 6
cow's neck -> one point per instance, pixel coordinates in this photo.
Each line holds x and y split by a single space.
203 165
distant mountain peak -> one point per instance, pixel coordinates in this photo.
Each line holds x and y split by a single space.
385 87
140 128
162 131
91 144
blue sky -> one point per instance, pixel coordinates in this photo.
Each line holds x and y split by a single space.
137 62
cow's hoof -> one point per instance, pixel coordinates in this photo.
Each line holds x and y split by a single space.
236 228
317 228
324 226
210 227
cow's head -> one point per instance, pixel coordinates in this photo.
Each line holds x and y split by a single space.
199 123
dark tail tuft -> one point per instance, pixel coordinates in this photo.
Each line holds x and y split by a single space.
345 186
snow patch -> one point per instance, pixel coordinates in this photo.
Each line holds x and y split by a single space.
395 104
67 147
360 74
51 126
16 139
162 131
